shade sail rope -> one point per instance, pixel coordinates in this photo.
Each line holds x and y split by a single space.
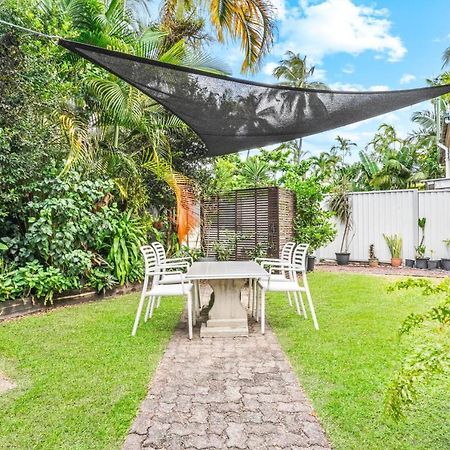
28 30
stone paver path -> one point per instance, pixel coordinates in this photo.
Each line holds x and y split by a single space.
237 393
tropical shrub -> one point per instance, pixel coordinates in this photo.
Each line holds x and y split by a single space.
35 281
429 355
312 224
124 237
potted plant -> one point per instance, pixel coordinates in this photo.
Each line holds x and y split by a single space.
410 262
373 260
394 243
445 262
340 204
432 263
421 260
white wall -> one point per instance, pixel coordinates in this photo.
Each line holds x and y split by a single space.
395 212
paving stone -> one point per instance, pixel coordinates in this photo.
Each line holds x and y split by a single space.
231 393
237 437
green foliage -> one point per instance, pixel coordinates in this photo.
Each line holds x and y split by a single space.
226 246
395 245
34 280
258 251
101 279
312 224
186 251
125 236
426 359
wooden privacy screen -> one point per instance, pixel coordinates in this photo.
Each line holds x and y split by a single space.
247 219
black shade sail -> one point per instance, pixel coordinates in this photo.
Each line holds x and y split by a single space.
230 115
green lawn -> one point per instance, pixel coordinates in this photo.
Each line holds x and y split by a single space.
346 366
80 374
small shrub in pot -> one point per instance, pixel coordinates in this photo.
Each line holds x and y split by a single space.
373 260
445 262
394 243
421 260
432 264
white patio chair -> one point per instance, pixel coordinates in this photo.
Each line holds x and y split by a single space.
274 284
166 265
154 290
285 255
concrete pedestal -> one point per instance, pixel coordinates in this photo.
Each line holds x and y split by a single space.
227 317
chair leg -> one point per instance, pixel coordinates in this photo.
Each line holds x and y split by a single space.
152 307
158 302
263 311
310 303
138 314
297 306
140 306
289 299
189 307
147 311
250 292
302 304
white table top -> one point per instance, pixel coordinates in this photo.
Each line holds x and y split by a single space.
225 270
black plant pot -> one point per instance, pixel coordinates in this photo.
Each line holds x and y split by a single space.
409 262
422 263
445 264
310 263
433 264
342 259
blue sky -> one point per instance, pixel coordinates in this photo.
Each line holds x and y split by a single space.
358 45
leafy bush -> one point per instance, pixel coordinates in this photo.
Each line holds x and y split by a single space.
101 279
312 224
36 281
430 356
124 237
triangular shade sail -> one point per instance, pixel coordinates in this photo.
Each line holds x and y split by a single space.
230 115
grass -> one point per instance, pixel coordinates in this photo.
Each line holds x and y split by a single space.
80 374
346 366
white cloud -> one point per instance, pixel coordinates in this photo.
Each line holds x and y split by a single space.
268 68
339 86
334 26
280 8
379 87
348 68
407 78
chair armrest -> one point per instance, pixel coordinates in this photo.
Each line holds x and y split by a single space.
267 259
183 258
180 264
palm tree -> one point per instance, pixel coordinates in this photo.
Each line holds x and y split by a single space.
294 71
344 147
249 21
123 132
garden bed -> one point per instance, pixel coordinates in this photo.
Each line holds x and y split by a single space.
22 306
382 269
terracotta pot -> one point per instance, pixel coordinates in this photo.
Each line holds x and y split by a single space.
396 262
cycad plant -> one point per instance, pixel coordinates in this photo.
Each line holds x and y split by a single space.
395 245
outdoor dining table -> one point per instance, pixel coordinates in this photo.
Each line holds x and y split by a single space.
227 317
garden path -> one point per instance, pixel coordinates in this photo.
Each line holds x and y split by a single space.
238 393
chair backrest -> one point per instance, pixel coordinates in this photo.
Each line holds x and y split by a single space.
286 251
299 257
160 252
150 259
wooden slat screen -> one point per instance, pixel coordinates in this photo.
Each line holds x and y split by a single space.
260 216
